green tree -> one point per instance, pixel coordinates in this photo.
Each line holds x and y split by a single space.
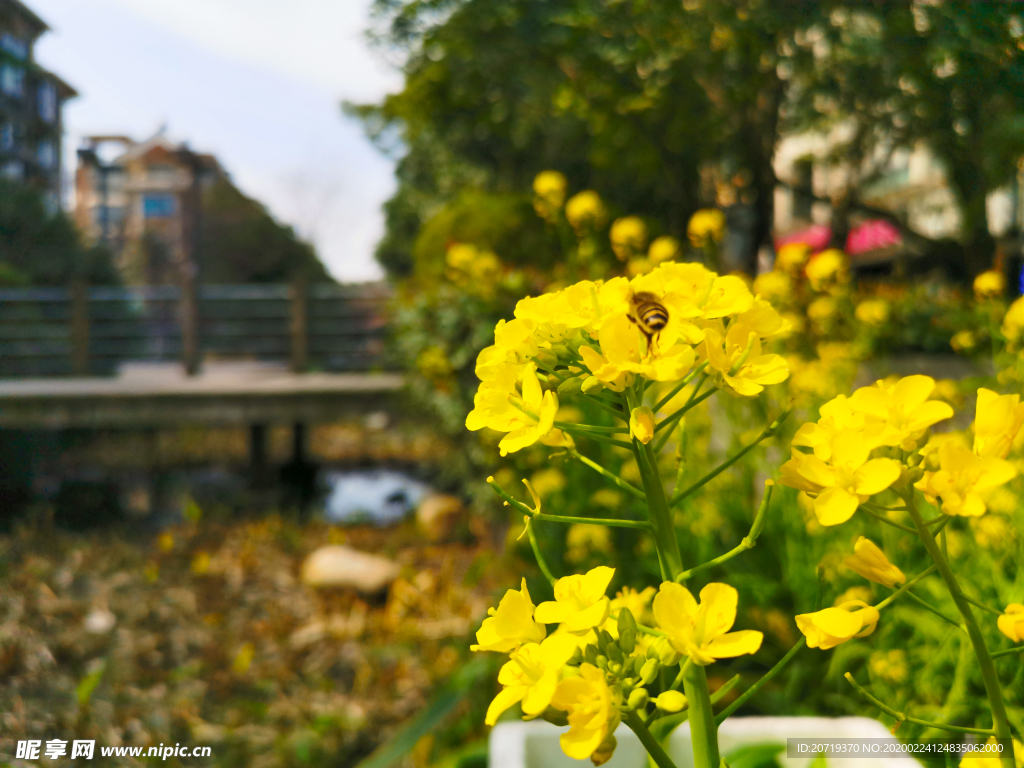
946 75
38 247
240 242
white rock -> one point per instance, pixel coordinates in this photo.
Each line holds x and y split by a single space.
99 621
437 516
337 566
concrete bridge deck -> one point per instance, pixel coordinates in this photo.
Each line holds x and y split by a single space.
160 395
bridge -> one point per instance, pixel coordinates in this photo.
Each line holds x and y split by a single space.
150 357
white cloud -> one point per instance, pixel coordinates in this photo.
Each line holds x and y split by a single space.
258 83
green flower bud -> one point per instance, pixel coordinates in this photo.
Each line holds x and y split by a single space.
577 657
546 358
649 671
604 639
590 654
570 387
555 716
614 653
637 699
670 701
667 654
591 385
604 750
627 631
602 662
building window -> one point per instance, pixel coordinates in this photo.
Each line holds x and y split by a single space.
47 95
7 140
14 170
158 206
16 47
12 80
46 154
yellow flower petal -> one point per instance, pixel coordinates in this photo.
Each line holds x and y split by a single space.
835 506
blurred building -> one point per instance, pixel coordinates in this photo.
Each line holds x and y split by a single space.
143 203
31 101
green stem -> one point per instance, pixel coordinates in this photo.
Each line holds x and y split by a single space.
748 541
666 723
886 520
682 674
591 428
703 728
741 700
682 411
987 667
901 717
679 387
541 562
654 749
595 436
983 607
658 511
628 487
895 595
767 432
604 406
641 525
1009 652
928 607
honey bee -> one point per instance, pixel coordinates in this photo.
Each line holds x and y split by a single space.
649 315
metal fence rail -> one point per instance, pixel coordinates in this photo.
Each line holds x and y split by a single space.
92 331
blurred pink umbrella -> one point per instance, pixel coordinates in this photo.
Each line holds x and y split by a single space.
817 236
872 235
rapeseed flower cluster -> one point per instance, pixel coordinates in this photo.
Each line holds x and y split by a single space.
592 336
597 666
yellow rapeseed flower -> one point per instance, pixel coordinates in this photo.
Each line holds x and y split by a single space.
531 676
580 603
827 267
510 625
844 484
997 420
904 406
990 758
585 210
622 355
874 312
628 236
822 309
707 224
963 479
1011 622
664 248
830 627
591 709
701 631
989 285
792 256
526 418
963 341
738 363
638 603
870 562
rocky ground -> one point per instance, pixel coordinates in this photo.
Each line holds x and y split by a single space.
207 635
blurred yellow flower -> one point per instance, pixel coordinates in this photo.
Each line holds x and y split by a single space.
870 562
550 187
701 631
641 424
828 266
547 481
822 309
1011 622
433 363
511 625
585 210
664 248
846 483
243 659
873 312
1013 321
583 540
963 479
830 627
891 665
792 256
580 603
531 676
774 286
592 713
997 421
638 603
963 341
707 224
989 285
628 236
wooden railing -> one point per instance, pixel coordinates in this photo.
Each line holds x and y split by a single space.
91 331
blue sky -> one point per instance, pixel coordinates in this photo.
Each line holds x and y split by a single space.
256 82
